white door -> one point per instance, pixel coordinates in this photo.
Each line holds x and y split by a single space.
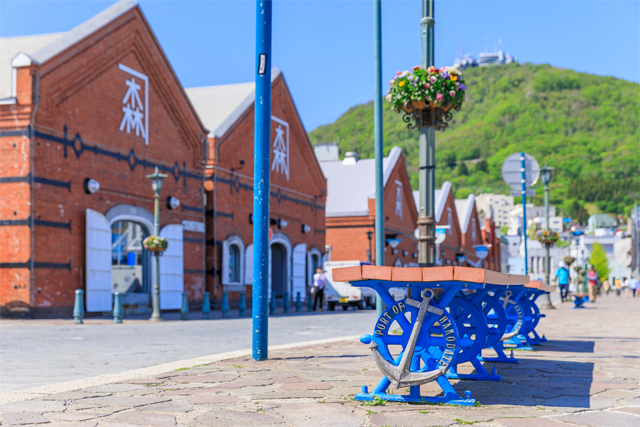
248 265
299 273
98 262
172 268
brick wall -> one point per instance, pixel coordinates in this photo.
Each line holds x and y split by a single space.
76 136
299 200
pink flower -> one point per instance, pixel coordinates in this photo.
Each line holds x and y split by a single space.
427 86
433 79
452 93
398 73
439 97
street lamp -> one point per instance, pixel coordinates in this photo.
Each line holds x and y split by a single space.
156 185
546 172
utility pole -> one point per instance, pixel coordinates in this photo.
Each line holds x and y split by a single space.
378 143
261 193
427 156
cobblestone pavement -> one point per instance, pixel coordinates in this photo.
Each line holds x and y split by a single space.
586 374
40 352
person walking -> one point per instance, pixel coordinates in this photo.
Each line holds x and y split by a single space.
592 282
606 287
625 286
319 281
562 276
618 285
634 285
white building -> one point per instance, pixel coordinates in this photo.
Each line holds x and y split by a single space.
496 57
501 205
327 152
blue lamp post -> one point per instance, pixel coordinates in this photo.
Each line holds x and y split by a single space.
261 193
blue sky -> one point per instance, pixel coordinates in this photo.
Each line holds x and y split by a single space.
325 48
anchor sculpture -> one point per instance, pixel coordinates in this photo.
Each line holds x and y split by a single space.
441 329
401 375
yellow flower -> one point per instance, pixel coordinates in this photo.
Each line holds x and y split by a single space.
454 77
401 84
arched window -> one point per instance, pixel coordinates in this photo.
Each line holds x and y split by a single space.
234 263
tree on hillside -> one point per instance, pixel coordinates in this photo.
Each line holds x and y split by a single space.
462 169
599 261
482 166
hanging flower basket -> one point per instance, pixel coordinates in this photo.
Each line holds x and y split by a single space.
547 238
569 260
427 95
155 244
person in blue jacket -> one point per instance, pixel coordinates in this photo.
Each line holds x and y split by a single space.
562 276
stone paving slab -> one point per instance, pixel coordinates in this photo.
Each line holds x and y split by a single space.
587 374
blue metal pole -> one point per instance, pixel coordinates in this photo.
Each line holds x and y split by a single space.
242 308
117 308
377 120
184 310
206 306
524 212
225 305
78 307
262 152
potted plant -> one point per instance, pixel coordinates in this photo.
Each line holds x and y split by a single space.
428 94
155 244
569 260
547 238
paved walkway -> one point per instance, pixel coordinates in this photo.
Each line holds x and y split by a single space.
40 352
586 374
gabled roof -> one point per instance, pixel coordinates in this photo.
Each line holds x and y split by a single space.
464 208
441 199
43 47
10 47
349 187
219 107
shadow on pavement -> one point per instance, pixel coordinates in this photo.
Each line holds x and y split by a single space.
537 382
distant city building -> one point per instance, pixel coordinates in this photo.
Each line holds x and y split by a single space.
600 221
327 151
515 217
464 61
501 205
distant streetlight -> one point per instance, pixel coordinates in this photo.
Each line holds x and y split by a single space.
546 173
156 185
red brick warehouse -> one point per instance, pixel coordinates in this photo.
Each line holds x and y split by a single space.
100 102
351 210
298 192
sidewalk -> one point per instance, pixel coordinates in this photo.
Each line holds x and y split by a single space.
586 374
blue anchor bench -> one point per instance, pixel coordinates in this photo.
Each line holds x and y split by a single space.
423 338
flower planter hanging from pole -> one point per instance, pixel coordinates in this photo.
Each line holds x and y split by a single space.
427 96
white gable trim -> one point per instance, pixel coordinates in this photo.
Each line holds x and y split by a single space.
444 195
464 222
83 30
235 115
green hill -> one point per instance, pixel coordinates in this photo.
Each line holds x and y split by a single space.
586 126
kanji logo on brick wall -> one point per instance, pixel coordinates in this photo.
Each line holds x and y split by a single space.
281 148
399 199
135 115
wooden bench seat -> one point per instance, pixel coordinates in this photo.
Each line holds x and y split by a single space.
427 274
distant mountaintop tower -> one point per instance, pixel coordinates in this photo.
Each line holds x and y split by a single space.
463 61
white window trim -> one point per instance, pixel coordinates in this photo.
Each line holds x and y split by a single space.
232 240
